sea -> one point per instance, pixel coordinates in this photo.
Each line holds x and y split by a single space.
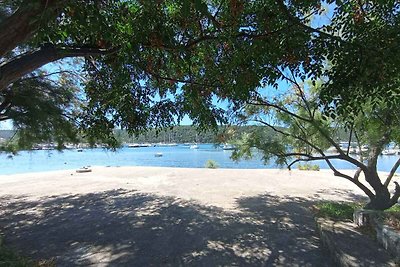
181 156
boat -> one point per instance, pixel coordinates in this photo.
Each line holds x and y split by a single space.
79 150
228 147
158 154
166 144
194 146
83 170
389 152
140 145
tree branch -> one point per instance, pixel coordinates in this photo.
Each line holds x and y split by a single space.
310 158
357 174
20 66
392 172
298 22
278 107
396 195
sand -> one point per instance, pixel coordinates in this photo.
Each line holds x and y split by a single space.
152 216
218 187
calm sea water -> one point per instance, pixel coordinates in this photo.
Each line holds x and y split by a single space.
177 156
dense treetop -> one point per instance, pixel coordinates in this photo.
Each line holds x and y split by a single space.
149 63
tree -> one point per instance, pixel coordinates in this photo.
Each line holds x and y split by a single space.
148 63
304 134
364 60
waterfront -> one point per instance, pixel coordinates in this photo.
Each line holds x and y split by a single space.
174 156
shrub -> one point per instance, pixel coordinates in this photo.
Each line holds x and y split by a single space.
211 164
308 167
335 210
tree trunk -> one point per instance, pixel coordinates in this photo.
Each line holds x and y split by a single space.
381 200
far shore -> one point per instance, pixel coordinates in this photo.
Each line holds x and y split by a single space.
217 187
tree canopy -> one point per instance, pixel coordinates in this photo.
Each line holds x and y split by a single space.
148 63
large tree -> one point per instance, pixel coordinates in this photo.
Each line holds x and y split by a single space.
148 63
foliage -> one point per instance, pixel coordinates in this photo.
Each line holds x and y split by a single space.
308 167
211 164
363 62
303 134
335 210
150 63
42 110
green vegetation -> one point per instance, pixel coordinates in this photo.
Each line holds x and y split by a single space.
308 167
305 133
211 164
344 211
9 258
335 210
182 134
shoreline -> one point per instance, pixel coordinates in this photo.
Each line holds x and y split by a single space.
73 169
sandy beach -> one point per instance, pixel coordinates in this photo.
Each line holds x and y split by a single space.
151 216
217 187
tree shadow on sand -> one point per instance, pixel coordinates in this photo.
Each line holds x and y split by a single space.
127 228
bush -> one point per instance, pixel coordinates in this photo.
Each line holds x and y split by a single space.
211 164
308 167
336 211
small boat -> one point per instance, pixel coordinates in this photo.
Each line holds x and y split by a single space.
79 150
158 154
389 152
194 146
228 147
83 170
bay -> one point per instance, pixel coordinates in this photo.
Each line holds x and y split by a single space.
173 156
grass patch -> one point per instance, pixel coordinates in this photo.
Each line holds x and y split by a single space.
211 164
308 167
336 210
10 258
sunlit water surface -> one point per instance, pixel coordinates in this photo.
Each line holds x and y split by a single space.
176 156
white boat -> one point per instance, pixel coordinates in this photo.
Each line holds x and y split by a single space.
194 146
140 145
389 152
228 147
158 154
166 144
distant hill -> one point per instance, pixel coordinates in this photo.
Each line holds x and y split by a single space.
182 134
